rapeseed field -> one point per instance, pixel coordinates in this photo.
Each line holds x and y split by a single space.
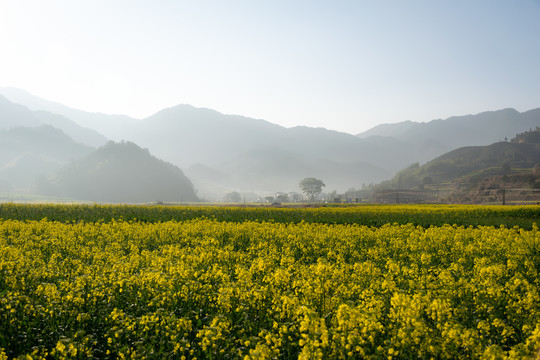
110 282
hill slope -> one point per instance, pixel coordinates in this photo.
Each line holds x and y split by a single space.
13 115
464 174
186 135
111 126
470 130
121 172
28 152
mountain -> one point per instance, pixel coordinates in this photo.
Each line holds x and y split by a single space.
470 159
230 152
28 152
76 132
12 114
261 156
186 135
464 172
393 130
111 126
457 131
256 154
120 172
15 115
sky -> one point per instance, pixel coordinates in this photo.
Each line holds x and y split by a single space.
345 65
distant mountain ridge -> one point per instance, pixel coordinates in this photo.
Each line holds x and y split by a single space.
13 115
230 152
35 144
393 130
110 126
457 131
234 145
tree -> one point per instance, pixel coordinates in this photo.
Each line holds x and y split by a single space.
311 187
233 197
282 197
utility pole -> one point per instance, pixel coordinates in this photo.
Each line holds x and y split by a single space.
399 188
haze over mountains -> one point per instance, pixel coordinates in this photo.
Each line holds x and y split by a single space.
222 153
27 153
120 172
457 131
108 126
13 114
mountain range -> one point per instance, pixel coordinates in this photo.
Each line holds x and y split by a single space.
457 131
469 173
29 152
109 127
14 114
222 153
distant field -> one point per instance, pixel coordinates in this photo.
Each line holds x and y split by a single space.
23 198
340 282
369 215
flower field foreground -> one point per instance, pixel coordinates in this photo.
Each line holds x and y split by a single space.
210 289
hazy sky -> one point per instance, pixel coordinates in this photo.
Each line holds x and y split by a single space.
343 65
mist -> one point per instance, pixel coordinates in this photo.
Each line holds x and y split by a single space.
185 154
